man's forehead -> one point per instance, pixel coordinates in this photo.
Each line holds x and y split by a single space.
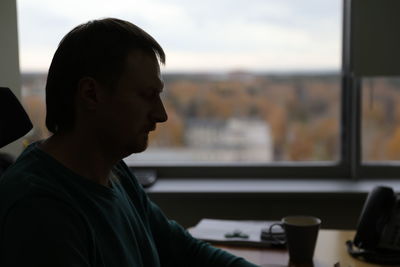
138 60
143 66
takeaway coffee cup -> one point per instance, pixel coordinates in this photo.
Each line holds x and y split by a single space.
301 236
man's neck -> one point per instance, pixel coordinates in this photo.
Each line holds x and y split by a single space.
82 155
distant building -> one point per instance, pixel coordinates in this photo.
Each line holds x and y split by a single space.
233 140
230 140
33 84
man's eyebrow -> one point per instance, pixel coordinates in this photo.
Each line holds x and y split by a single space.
156 89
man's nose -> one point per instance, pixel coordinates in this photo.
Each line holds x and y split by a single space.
160 114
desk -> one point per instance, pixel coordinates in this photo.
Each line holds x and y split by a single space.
330 249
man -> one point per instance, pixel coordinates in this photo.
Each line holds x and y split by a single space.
70 200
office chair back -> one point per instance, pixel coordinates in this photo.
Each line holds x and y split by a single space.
14 123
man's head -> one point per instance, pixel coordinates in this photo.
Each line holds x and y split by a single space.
97 62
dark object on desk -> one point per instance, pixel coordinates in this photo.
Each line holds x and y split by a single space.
236 234
276 239
378 233
14 122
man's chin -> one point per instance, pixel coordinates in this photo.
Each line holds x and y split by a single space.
133 150
140 146
140 149
135 147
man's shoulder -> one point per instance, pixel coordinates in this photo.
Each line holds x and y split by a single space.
27 178
26 187
27 163
25 172
18 178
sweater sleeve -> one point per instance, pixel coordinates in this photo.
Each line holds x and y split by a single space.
40 231
176 247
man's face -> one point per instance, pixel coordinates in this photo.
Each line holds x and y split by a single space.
134 107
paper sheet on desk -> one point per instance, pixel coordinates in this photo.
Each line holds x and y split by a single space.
214 231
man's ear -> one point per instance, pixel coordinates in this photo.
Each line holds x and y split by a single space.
89 93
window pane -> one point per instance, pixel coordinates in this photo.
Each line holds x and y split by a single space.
381 119
246 81
248 117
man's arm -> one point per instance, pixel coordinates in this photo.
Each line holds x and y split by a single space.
176 247
179 248
41 231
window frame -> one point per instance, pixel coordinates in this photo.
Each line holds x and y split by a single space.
359 169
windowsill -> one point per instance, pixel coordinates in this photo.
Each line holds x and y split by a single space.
268 186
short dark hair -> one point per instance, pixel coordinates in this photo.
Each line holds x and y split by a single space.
96 49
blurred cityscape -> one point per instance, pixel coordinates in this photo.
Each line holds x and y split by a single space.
232 117
253 117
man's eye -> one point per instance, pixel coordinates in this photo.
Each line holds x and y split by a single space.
150 95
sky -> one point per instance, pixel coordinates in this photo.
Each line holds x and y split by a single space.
199 36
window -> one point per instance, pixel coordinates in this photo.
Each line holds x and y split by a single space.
253 89
380 119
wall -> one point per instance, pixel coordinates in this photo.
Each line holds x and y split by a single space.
9 60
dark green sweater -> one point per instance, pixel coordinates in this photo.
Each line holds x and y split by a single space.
50 216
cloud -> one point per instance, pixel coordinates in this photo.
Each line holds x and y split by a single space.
294 34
